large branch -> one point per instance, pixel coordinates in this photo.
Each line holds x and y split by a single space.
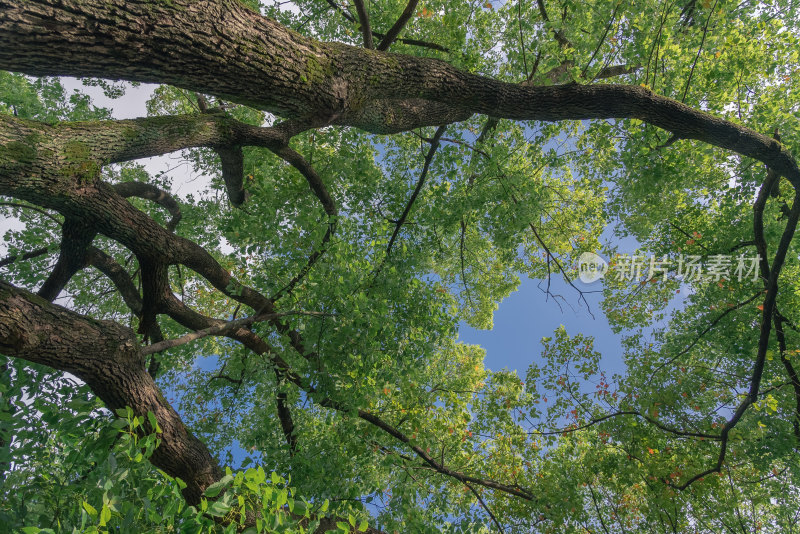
58 167
107 357
212 46
82 146
76 236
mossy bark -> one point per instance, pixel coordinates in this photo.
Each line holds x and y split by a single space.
220 47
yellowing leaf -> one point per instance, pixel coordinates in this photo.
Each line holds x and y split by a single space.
89 509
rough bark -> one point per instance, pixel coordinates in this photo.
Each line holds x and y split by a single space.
58 167
107 357
75 239
212 46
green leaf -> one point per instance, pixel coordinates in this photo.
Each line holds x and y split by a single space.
105 516
214 489
218 509
153 422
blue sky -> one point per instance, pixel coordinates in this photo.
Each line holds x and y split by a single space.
528 315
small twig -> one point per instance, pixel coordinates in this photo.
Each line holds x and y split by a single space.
699 50
483 504
221 329
684 232
312 260
790 370
296 160
522 39
34 208
602 39
428 158
26 256
705 331
651 420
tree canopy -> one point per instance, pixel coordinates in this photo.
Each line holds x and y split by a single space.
280 352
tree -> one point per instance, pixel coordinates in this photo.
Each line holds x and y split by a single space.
388 171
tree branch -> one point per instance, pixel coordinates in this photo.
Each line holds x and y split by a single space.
763 341
378 96
483 505
130 295
76 236
398 26
232 161
26 256
563 41
285 415
106 356
413 42
151 192
221 329
440 467
602 39
651 420
363 20
32 208
312 260
420 182
699 50
790 371
314 181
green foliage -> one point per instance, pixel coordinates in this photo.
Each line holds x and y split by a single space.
96 478
596 452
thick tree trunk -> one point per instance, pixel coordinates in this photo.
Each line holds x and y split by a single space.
107 357
222 48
